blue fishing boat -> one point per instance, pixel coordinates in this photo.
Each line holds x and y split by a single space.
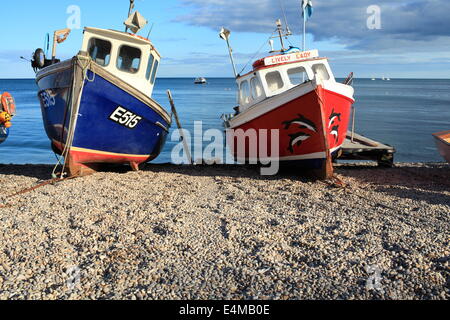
7 112
97 107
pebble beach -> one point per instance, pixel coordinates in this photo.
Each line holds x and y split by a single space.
225 232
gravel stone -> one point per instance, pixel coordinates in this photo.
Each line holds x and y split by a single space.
225 232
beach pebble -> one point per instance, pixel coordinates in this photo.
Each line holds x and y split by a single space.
224 232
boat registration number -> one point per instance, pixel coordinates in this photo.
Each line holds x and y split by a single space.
125 118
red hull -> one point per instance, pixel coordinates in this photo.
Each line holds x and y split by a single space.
82 161
309 125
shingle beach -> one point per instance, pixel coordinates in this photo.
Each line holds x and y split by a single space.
171 232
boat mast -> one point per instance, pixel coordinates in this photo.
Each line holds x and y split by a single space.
59 37
225 35
304 29
280 33
307 10
129 12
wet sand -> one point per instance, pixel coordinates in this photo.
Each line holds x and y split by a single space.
218 232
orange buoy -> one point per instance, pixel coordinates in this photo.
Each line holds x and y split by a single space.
5 117
8 103
7 125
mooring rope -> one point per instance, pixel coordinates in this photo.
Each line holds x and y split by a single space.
74 104
28 190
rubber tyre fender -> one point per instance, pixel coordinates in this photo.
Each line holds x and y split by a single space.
39 59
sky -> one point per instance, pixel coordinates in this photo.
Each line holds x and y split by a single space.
373 38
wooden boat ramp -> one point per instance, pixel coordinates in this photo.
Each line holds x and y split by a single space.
360 148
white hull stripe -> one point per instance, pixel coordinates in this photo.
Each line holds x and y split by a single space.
311 156
282 99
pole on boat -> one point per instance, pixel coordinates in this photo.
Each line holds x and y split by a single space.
59 37
304 24
304 30
307 10
129 12
280 32
353 124
180 128
225 35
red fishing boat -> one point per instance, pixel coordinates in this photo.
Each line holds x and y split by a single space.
443 144
295 93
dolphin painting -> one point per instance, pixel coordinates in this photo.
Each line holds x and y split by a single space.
333 117
302 122
297 139
335 132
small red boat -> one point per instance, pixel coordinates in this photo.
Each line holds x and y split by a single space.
443 144
295 93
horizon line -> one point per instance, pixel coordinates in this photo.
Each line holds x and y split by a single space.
215 77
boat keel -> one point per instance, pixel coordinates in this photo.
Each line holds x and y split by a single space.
134 166
75 169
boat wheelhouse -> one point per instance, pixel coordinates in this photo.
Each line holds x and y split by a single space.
277 74
97 107
295 94
131 58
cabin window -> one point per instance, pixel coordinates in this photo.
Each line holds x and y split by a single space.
321 72
100 51
244 93
129 59
155 69
298 76
149 67
256 88
274 81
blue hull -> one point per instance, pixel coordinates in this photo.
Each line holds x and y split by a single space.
4 133
112 124
96 130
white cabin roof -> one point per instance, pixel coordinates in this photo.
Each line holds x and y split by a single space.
142 75
279 73
122 36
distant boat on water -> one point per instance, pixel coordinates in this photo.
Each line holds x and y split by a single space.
97 107
200 80
443 144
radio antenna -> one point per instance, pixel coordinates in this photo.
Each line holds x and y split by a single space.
151 29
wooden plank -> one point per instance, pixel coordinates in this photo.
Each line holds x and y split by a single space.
363 148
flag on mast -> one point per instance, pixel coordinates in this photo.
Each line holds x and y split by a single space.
307 9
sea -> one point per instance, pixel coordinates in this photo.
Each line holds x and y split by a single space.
401 113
